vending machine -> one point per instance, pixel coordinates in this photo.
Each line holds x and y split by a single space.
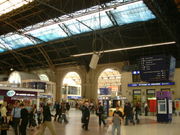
164 106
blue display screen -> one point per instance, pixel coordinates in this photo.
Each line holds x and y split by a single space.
157 68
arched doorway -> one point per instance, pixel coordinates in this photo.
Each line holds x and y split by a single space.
109 83
109 88
71 86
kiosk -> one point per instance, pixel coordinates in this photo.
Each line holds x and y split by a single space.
164 106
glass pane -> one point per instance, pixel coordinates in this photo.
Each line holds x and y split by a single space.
16 41
48 33
134 12
94 21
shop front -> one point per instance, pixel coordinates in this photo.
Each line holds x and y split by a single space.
25 95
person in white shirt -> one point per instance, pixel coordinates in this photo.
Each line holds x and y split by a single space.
3 111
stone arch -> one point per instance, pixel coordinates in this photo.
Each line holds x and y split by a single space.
106 67
63 75
115 66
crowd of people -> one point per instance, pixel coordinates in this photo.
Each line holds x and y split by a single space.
22 116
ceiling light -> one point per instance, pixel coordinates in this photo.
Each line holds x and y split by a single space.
126 48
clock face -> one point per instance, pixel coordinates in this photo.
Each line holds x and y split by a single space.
10 93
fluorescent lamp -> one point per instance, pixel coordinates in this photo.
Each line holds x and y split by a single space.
126 48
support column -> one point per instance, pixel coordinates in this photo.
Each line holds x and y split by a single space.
58 86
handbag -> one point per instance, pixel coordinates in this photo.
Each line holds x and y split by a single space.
109 130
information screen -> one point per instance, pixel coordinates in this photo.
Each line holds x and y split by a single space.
158 68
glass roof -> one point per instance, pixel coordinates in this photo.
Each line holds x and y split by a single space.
86 20
9 5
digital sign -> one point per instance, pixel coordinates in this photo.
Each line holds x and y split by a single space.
158 68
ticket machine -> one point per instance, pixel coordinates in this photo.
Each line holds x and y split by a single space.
164 106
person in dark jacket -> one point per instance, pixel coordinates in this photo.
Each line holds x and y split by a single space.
85 116
137 112
57 107
128 113
47 120
23 120
63 113
100 112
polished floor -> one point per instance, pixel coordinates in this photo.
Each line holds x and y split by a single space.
147 126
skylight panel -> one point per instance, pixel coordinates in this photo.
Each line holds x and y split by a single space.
4 46
82 21
48 33
1 48
9 5
134 12
94 21
15 41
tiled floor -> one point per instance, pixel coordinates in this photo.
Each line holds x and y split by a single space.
147 126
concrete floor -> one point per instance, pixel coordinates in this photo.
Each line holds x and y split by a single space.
147 126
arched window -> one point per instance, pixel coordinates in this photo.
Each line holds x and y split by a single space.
109 82
71 87
44 77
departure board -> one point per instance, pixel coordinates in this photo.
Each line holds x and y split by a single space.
156 68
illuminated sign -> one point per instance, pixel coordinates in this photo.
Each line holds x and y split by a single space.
24 94
151 84
10 93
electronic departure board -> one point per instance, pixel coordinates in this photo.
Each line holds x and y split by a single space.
158 68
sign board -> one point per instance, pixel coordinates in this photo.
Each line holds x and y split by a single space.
151 84
10 93
157 68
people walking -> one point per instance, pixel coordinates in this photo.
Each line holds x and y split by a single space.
3 112
137 112
85 116
23 120
128 113
101 114
146 110
57 108
47 120
63 113
16 115
117 117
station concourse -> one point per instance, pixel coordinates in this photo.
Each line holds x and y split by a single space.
89 67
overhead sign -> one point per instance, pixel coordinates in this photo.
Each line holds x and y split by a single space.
151 84
10 93
157 68
74 97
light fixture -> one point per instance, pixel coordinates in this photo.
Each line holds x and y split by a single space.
126 48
